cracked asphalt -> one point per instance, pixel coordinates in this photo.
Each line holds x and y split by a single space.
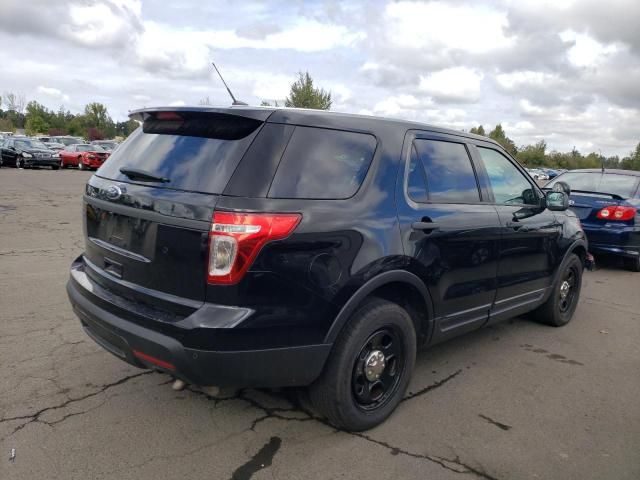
516 401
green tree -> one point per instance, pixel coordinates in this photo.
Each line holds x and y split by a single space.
533 155
304 95
499 136
37 118
478 130
6 125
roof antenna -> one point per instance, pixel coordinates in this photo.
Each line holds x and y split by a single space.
601 159
235 102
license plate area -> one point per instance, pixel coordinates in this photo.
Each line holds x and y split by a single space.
125 233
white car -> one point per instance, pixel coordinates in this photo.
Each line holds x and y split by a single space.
537 174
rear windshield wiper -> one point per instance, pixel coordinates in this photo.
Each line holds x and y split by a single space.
142 175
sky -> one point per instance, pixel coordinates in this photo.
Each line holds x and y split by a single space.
564 71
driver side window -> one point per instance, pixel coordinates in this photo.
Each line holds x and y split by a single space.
507 182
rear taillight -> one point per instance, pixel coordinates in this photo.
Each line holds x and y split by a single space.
236 239
617 213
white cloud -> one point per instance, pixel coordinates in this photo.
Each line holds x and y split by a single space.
526 78
586 51
53 93
458 84
417 25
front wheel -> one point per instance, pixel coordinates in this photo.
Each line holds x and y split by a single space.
19 163
369 368
81 166
558 310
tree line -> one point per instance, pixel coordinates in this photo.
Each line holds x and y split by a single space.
94 123
536 155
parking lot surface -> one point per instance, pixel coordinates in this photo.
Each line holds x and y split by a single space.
515 401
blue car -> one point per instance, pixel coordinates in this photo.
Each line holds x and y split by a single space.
607 202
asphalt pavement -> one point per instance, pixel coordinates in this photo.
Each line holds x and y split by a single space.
515 401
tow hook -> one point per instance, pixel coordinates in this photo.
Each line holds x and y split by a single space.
590 262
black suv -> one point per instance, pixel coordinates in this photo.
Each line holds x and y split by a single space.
270 247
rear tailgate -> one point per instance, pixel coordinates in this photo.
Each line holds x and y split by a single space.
137 244
147 233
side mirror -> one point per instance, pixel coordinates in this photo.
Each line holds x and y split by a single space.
557 201
562 187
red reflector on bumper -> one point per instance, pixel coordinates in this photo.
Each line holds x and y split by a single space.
153 360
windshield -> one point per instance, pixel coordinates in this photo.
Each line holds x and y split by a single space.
30 144
66 141
90 148
598 182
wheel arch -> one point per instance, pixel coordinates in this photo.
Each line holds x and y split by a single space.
579 248
398 286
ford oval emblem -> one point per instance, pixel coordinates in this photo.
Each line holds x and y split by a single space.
571 202
114 192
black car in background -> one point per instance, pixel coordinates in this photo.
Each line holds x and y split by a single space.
25 152
607 202
271 247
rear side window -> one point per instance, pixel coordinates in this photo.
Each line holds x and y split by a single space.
446 171
622 185
323 164
194 152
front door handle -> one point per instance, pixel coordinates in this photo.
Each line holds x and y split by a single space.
424 226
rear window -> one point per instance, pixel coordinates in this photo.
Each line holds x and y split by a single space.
194 152
613 183
323 164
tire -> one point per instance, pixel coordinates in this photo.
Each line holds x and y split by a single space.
344 393
19 163
632 263
55 167
81 166
558 310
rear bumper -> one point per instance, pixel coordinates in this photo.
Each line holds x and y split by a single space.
621 240
93 163
147 348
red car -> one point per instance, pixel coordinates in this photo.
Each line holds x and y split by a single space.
83 156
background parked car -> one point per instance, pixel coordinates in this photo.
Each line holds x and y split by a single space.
51 143
22 152
537 174
67 140
551 173
608 205
108 145
84 156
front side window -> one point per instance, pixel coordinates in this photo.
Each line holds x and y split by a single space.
445 170
509 185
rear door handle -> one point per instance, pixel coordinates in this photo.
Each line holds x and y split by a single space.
424 226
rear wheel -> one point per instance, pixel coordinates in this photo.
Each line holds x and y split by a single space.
369 368
632 263
559 308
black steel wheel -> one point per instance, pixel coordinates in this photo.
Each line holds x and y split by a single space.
369 367
563 300
567 290
378 369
